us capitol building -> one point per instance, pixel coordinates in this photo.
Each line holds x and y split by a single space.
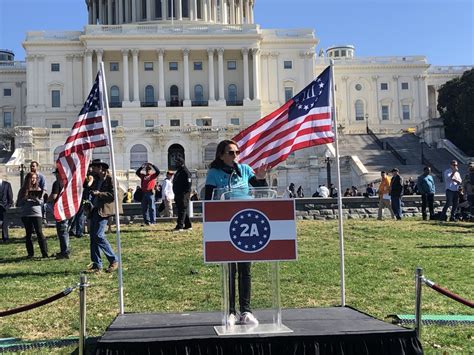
182 76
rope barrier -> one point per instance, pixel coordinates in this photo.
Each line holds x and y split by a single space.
447 293
40 303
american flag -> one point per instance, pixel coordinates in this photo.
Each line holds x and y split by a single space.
304 121
88 132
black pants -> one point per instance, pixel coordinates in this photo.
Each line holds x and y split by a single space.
427 200
182 204
3 214
244 282
35 223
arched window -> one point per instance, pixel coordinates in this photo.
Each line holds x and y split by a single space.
174 95
101 153
174 151
114 96
359 110
149 95
232 93
138 156
198 93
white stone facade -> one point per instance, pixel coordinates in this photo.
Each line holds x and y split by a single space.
179 84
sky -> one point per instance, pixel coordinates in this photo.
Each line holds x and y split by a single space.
441 30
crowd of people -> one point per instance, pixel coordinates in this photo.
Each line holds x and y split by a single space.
459 193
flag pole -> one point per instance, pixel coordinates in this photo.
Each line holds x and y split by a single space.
116 187
339 190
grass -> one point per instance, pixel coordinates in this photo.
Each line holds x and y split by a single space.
164 272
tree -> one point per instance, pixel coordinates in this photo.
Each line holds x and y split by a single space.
456 107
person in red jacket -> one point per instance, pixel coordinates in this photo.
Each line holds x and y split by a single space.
148 182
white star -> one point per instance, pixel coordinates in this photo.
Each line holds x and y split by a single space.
246 246
300 106
241 217
254 246
249 215
312 104
321 85
256 216
233 229
262 221
306 107
236 222
260 242
264 236
320 92
238 243
265 228
234 237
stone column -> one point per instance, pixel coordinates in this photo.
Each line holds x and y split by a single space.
126 86
245 54
127 11
210 56
78 82
120 12
377 117
101 12
161 79
232 12
273 82
41 83
187 101
264 76
134 10
99 53
136 96
340 119
214 11
164 7
179 11
90 13
148 10
109 12
397 100
223 11
195 9
205 9
241 11
247 11
30 80
88 78
220 53
70 79
256 74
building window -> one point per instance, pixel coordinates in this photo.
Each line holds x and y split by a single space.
404 86
143 9
149 95
138 156
174 151
198 93
358 87
7 92
359 110
173 65
114 123
54 66
158 9
288 93
385 112
231 65
235 121
149 123
114 66
56 126
55 98
174 96
287 64
185 8
406 112
232 93
114 96
197 65
209 153
204 122
148 66
7 119
383 86
343 52
175 123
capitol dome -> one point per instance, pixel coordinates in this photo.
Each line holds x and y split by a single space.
117 12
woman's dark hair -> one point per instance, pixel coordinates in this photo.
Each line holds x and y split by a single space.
28 185
217 162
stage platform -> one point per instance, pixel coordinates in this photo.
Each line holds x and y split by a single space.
335 330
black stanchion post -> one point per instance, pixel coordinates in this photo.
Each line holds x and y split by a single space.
418 284
22 174
82 313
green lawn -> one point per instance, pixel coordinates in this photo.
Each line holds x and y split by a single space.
164 272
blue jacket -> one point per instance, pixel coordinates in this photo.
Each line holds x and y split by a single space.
425 184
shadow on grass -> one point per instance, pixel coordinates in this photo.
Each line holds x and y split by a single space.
33 274
457 246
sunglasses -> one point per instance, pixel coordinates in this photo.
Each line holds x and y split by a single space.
233 152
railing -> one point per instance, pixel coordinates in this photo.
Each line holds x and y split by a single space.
234 103
115 104
397 155
375 138
175 103
434 170
149 104
199 103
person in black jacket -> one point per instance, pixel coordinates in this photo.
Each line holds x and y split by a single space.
182 193
6 201
396 192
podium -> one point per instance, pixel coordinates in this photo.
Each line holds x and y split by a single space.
249 225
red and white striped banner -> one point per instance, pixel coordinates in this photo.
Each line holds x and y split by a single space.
250 230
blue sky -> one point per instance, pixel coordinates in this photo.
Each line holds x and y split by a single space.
442 30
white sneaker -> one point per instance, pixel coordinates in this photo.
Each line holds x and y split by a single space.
248 318
231 319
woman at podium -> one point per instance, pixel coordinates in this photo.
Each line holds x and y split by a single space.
226 174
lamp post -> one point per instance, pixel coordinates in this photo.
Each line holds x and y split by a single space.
22 174
328 170
367 122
